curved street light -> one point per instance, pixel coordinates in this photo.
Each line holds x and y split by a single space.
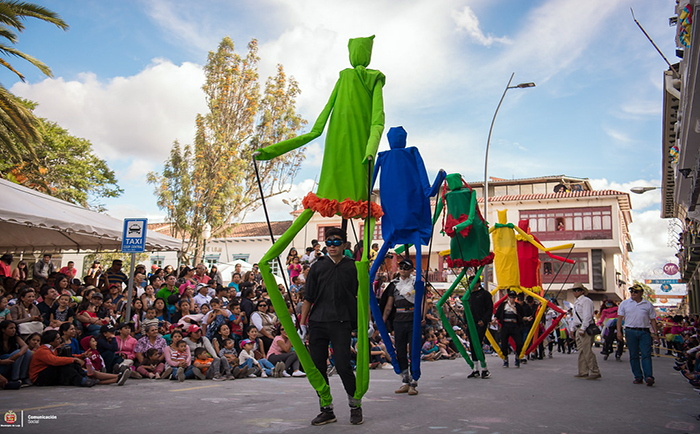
486 158
642 190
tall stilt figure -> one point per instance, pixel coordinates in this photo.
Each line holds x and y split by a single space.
405 193
356 112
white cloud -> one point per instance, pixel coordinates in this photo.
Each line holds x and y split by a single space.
123 117
617 135
650 236
467 21
639 201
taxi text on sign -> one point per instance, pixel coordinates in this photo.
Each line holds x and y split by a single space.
134 235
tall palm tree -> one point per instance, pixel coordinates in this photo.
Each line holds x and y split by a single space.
18 126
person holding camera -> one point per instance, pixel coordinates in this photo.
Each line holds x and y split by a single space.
582 318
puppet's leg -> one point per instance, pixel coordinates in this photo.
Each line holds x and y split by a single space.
535 323
376 311
477 351
446 322
362 370
314 376
417 316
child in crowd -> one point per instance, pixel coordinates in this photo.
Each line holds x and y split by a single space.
228 352
94 365
4 310
150 320
180 363
247 358
61 312
430 350
237 320
150 367
202 363
34 342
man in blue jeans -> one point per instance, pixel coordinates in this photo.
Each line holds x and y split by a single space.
640 327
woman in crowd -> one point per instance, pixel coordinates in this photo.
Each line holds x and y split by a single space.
34 342
282 356
14 354
95 270
186 279
20 273
215 275
68 333
151 340
178 359
168 270
161 310
223 332
61 284
265 323
148 297
126 345
26 315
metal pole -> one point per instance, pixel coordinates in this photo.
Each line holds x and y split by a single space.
130 294
486 171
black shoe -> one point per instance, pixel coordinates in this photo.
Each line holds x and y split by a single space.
89 382
517 363
523 361
325 417
474 374
485 374
356 416
505 364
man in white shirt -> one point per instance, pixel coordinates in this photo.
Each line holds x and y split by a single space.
640 327
203 296
581 319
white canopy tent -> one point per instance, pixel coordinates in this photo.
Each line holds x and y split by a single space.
31 221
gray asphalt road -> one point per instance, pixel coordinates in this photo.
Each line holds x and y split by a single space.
541 397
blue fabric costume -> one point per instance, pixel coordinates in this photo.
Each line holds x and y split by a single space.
405 193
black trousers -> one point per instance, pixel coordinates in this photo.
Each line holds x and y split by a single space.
403 336
511 330
480 332
66 375
339 335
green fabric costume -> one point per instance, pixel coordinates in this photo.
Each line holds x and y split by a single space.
356 111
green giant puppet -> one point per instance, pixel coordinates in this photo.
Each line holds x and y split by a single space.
355 117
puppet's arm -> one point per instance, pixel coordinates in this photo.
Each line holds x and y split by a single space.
277 149
529 238
439 179
438 209
555 257
377 165
377 127
470 219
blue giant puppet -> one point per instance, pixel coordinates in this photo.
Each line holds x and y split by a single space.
405 192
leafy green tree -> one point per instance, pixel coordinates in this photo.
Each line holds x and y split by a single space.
62 166
213 181
107 258
18 126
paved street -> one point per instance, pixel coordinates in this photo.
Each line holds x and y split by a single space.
541 397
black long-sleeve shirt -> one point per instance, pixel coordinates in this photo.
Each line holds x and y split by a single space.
481 305
332 290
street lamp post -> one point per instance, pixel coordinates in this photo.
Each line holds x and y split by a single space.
486 158
642 190
206 233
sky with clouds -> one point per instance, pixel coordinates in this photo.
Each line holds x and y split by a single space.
128 77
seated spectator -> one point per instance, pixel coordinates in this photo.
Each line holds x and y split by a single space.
34 342
4 310
61 312
149 296
95 366
26 315
89 318
246 358
215 318
202 365
125 347
68 334
108 348
48 369
150 320
430 350
148 341
196 340
237 319
202 296
49 296
178 359
15 356
161 311
185 316
228 352
151 366
265 322
283 357
69 270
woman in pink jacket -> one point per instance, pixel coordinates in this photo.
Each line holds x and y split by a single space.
608 319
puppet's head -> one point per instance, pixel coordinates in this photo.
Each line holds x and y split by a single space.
397 138
503 216
524 225
360 51
454 181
